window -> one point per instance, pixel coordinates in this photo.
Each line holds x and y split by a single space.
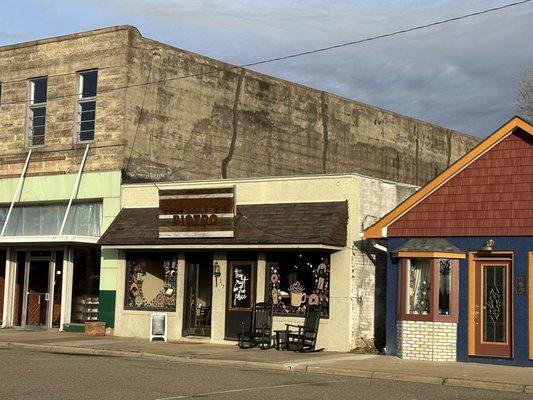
84 219
86 105
296 280
36 111
85 285
0 93
428 289
151 281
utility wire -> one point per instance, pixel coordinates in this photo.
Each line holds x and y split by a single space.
300 54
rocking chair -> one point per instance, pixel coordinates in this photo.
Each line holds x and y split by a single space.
260 333
303 337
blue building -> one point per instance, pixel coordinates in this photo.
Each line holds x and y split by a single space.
460 258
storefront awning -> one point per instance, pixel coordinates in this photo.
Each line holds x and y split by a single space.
307 224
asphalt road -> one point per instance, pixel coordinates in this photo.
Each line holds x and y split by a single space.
28 374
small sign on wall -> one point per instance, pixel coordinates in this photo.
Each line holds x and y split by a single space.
520 286
158 326
242 286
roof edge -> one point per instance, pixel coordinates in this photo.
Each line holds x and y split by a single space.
69 36
379 229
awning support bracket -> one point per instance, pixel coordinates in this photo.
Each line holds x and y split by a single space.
17 192
74 189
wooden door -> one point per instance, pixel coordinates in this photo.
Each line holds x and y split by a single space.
492 308
240 297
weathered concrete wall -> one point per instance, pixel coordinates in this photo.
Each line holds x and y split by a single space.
217 121
59 59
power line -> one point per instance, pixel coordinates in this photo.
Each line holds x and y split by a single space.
304 53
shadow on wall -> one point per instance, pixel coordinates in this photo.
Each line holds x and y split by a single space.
374 261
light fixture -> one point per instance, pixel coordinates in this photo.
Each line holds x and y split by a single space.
488 246
216 272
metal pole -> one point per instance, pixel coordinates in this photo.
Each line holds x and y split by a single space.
17 192
74 190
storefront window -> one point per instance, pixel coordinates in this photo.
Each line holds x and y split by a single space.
151 281
418 287
429 288
85 285
445 284
297 280
84 219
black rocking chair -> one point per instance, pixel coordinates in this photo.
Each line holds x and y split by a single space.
303 337
260 333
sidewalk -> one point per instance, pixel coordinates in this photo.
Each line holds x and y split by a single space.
514 379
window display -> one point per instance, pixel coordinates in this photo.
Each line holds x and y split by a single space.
429 288
298 279
151 281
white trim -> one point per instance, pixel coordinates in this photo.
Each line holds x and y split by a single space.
49 239
17 192
222 246
171 216
210 234
74 190
194 196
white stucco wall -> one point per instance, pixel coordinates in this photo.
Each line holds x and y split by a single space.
352 278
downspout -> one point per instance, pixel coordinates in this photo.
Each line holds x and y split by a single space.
17 192
74 190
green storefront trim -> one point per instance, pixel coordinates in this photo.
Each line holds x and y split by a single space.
106 308
75 328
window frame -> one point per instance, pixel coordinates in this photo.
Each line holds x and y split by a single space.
83 100
434 281
31 106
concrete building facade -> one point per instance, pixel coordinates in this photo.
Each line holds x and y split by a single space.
114 103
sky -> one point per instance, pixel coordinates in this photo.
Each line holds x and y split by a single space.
463 75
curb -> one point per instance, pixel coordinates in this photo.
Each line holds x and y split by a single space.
358 373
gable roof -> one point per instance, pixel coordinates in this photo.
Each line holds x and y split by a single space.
379 229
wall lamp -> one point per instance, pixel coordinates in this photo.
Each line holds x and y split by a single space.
216 272
488 246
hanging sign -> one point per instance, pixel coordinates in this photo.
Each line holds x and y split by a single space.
192 213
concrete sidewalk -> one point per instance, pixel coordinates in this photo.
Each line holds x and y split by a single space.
514 379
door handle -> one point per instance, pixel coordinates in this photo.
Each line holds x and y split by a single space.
47 297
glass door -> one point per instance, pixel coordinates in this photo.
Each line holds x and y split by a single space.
37 293
198 295
492 309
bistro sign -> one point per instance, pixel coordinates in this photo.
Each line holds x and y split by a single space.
192 213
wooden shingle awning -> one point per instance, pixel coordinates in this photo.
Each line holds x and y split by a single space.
320 225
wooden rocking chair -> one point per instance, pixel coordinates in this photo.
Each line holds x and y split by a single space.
260 333
303 337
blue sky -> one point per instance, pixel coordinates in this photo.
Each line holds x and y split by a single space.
463 75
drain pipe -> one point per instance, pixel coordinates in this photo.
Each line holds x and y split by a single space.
74 190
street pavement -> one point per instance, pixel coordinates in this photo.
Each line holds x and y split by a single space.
30 374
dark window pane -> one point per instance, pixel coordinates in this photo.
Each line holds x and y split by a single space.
39 90
87 116
38 131
89 86
89 135
88 106
37 140
87 126
445 280
38 121
39 112
494 298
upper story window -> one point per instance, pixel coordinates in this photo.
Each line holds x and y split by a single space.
36 114
86 105
428 289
